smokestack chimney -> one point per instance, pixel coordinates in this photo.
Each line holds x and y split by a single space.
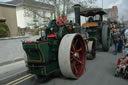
77 13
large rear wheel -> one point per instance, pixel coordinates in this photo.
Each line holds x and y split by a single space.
105 37
72 56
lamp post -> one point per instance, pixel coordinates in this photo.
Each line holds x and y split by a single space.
102 4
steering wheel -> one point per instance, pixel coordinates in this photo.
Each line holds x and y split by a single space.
61 20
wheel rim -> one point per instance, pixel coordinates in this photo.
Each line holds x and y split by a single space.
76 57
72 56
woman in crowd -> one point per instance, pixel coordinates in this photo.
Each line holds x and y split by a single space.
116 38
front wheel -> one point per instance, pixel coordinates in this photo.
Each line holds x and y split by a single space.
91 50
72 56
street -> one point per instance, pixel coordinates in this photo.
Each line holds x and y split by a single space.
48 42
99 71
11 50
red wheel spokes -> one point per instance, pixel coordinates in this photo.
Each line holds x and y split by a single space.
76 56
72 57
75 60
72 52
79 50
75 66
75 43
76 71
76 51
79 61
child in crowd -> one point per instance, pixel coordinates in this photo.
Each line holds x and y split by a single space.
122 63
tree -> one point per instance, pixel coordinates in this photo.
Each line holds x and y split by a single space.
62 6
35 13
4 30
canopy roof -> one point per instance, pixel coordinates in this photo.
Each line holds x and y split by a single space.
92 12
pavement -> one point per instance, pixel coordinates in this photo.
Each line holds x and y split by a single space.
11 50
15 37
12 56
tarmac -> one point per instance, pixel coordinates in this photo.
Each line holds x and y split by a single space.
8 71
14 66
14 60
17 67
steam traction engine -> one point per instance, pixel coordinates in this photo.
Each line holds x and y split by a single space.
62 48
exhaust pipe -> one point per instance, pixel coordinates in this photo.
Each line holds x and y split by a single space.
77 14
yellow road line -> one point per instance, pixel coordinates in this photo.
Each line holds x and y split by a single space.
18 79
23 80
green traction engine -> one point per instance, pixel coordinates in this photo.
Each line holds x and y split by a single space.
62 48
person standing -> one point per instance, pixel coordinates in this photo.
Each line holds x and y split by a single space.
126 35
116 38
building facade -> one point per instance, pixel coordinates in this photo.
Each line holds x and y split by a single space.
33 13
112 13
25 13
8 12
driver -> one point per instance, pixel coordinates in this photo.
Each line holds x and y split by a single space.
90 19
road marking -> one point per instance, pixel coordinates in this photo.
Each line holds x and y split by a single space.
18 79
22 80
